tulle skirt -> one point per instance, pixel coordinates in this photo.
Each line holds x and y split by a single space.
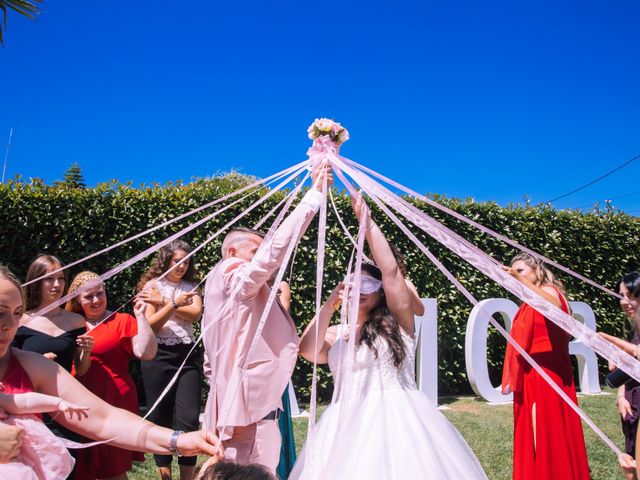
394 435
42 456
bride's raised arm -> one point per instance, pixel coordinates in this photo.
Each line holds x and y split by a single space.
398 296
317 348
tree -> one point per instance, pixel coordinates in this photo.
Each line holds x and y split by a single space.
73 178
24 7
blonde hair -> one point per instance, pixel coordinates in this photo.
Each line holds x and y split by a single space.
78 281
544 276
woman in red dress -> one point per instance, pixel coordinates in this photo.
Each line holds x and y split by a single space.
548 439
116 341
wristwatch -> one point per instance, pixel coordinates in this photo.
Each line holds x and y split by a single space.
173 442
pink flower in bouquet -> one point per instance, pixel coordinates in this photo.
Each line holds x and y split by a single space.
325 126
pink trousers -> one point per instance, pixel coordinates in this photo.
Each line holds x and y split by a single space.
256 443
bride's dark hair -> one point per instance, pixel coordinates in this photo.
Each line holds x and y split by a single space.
382 324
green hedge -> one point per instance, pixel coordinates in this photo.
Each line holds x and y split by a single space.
74 222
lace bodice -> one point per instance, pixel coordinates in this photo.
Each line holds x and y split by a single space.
371 374
175 330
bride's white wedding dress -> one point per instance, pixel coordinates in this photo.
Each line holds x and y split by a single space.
379 426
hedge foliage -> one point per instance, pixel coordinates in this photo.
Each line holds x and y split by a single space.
74 222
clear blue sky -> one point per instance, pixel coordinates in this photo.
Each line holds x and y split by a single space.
492 100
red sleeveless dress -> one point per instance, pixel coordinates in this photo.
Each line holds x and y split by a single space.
559 450
42 455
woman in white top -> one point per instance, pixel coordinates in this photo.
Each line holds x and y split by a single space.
173 306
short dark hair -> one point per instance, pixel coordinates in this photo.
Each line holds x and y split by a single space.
225 470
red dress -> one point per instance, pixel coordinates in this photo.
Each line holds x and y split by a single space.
108 378
42 455
559 450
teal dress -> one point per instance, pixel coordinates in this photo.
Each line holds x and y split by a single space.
288 448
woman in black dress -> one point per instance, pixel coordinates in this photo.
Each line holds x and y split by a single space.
59 335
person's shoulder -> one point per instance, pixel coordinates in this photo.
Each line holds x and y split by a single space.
151 282
76 321
229 265
188 285
27 318
123 317
552 290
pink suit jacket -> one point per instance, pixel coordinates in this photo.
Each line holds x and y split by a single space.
230 323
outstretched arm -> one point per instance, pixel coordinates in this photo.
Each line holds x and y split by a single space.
33 402
398 296
105 421
270 255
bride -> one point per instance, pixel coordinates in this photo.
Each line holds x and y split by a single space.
378 426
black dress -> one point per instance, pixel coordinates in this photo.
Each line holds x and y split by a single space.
63 345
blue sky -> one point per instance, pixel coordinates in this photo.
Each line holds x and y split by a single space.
493 100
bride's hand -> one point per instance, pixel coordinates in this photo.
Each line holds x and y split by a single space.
335 299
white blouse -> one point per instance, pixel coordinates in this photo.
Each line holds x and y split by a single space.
175 330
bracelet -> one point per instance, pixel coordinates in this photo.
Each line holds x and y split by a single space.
173 442
174 304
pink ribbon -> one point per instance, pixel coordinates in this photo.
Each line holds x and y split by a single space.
493 322
169 222
145 253
482 228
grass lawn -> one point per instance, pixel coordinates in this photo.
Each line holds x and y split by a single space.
489 431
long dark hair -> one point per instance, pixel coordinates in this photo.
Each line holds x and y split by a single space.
162 260
38 268
382 324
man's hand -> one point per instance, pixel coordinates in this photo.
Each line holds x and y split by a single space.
319 174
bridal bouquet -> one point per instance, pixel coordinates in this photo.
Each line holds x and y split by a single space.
326 127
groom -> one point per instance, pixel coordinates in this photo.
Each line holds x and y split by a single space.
243 406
